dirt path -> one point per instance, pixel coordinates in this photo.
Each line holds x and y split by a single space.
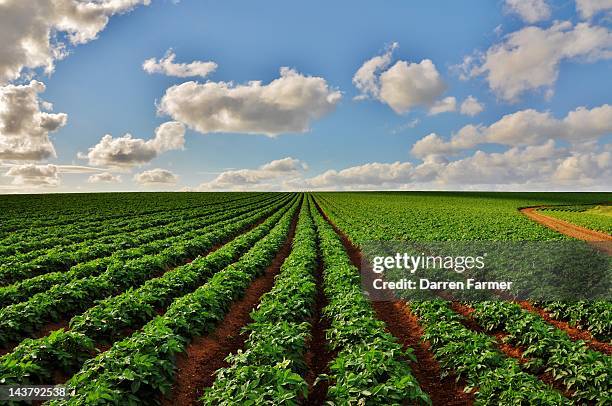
404 325
196 366
601 241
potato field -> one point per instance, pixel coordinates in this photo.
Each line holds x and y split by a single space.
257 299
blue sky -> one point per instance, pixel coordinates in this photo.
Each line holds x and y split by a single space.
102 88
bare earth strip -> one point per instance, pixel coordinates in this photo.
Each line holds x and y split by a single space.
601 241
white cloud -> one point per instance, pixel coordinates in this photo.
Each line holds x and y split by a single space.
588 8
403 127
366 79
104 177
24 128
471 106
541 166
530 11
155 177
266 177
402 86
127 151
168 67
525 127
445 105
286 105
34 175
529 59
374 175
407 85
28 30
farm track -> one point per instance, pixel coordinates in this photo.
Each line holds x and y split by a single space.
196 367
404 325
318 356
601 241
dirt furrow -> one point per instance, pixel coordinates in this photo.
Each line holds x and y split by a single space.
404 325
573 332
318 355
196 366
507 349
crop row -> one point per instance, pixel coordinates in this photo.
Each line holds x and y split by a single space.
140 369
588 373
106 320
371 366
24 289
30 213
26 281
593 316
427 217
473 356
66 351
21 319
19 248
271 367
62 258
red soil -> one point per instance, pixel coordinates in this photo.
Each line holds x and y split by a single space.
205 355
574 332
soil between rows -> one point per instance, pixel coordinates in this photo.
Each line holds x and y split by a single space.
318 355
404 325
196 366
573 332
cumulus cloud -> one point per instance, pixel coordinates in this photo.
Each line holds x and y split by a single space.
156 176
589 8
127 151
104 177
168 67
366 79
29 29
34 175
375 175
286 105
471 106
530 11
539 166
529 59
24 128
265 177
407 85
525 127
443 106
402 86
